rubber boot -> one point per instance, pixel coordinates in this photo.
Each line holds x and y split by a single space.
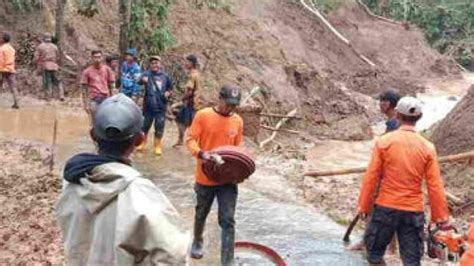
197 248
227 248
158 146
142 146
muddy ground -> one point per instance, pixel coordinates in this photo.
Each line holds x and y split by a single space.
28 191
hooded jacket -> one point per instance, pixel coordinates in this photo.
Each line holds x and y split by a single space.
114 216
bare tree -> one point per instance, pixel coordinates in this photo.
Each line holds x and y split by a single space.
124 15
61 6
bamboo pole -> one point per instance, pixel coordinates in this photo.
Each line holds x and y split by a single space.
280 129
358 170
281 116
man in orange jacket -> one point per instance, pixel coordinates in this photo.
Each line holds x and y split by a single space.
468 257
212 128
402 159
7 67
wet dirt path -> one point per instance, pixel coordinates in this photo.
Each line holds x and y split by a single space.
268 211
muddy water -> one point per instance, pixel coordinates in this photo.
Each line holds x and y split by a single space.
267 212
438 100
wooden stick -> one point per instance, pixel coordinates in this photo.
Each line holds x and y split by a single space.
278 126
358 170
281 116
318 14
280 129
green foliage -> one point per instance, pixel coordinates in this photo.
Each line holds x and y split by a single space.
328 6
87 8
149 31
214 4
26 5
447 25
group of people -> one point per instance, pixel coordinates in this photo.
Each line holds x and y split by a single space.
104 193
99 81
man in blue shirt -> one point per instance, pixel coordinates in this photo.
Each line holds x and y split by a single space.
130 73
158 89
388 101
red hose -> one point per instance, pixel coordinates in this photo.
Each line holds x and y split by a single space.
268 252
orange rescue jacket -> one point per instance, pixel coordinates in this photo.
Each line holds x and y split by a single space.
404 159
210 130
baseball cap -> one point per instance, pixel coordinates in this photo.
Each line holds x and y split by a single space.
391 96
409 106
132 51
231 94
118 118
155 57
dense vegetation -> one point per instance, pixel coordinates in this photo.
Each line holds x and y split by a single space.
448 24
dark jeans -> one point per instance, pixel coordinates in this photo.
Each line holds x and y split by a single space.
158 120
226 200
50 79
384 224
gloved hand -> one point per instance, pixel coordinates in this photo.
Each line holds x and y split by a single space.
207 156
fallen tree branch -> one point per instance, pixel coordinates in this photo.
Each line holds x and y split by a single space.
318 14
278 126
280 129
252 93
281 116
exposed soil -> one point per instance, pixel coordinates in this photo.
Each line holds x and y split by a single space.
455 133
28 191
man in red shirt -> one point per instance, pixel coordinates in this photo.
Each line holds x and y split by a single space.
97 83
400 162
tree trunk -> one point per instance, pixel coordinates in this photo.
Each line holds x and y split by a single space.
124 15
61 6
